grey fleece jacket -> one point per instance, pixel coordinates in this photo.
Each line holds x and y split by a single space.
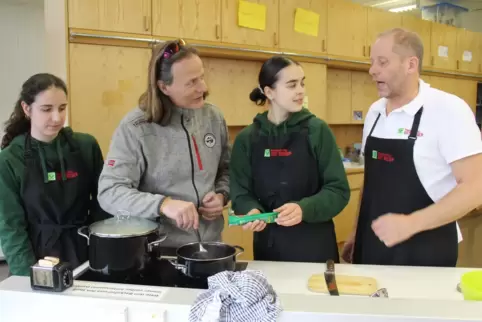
148 162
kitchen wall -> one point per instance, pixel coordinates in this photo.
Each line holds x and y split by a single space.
472 20
23 49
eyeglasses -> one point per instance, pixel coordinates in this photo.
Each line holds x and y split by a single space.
173 48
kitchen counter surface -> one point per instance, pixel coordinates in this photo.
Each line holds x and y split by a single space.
415 293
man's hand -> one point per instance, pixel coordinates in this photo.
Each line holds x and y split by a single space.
289 214
257 225
393 229
212 205
183 212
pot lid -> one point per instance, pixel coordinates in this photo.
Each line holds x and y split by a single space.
123 226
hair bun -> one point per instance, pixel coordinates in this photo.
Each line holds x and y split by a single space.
257 96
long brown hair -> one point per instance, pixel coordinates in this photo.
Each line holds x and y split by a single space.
19 123
156 105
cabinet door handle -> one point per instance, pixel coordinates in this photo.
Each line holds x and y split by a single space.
146 23
323 45
364 51
458 64
275 39
369 51
218 34
432 61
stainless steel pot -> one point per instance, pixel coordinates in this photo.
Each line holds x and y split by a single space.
121 245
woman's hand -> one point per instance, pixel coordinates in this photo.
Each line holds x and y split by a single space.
183 212
289 214
257 225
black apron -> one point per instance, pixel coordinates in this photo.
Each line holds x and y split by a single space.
393 186
285 170
54 210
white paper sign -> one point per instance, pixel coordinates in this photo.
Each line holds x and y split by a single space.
443 51
106 290
467 56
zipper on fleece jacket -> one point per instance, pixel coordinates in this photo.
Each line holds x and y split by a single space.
192 160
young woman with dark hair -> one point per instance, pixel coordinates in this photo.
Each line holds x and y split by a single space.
48 179
169 157
287 161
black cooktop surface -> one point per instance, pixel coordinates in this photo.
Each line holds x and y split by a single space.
159 273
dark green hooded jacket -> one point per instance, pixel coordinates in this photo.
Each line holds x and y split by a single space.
323 206
14 238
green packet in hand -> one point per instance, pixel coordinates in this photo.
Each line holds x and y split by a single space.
234 220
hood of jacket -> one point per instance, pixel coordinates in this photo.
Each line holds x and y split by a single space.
291 123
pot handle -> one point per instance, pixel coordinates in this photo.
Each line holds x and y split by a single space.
240 250
80 231
176 265
151 245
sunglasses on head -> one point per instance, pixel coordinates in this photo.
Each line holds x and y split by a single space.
173 48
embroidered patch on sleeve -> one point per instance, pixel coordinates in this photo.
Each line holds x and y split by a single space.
110 163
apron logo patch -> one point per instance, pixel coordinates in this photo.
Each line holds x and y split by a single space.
209 140
407 132
51 176
277 153
110 163
57 176
382 156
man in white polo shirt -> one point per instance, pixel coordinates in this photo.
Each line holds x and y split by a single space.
423 163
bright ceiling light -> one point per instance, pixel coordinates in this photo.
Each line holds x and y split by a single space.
404 8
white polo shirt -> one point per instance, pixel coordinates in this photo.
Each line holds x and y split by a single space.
448 132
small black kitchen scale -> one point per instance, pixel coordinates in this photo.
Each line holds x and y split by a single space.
159 273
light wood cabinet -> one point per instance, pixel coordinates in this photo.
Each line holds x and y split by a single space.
235 235
290 39
347 29
463 88
424 29
111 15
315 88
187 19
468 54
105 84
363 94
233 33
345 220
349 97
444 46
379 21
230 83
338 97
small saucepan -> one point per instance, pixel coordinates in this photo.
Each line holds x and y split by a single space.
218 257
121 245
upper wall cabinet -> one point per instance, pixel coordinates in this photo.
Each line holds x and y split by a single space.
315 88
233 33
187 19
347 29
111 15
467 55
444 46
302 40
424 30
380 21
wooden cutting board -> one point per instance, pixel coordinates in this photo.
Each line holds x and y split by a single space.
347 285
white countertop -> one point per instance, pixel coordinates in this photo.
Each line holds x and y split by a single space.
414 293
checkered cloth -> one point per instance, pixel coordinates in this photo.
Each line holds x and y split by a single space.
244 296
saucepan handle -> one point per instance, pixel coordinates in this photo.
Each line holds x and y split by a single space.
240 250
155 243
81 230
176 265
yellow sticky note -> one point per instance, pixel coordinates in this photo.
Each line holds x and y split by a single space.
307 22
252 15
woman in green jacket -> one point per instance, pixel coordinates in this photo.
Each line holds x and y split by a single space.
48 179
287 161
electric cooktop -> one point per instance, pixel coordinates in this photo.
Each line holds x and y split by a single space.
159 273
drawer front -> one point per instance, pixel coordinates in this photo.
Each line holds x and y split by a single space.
355 181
